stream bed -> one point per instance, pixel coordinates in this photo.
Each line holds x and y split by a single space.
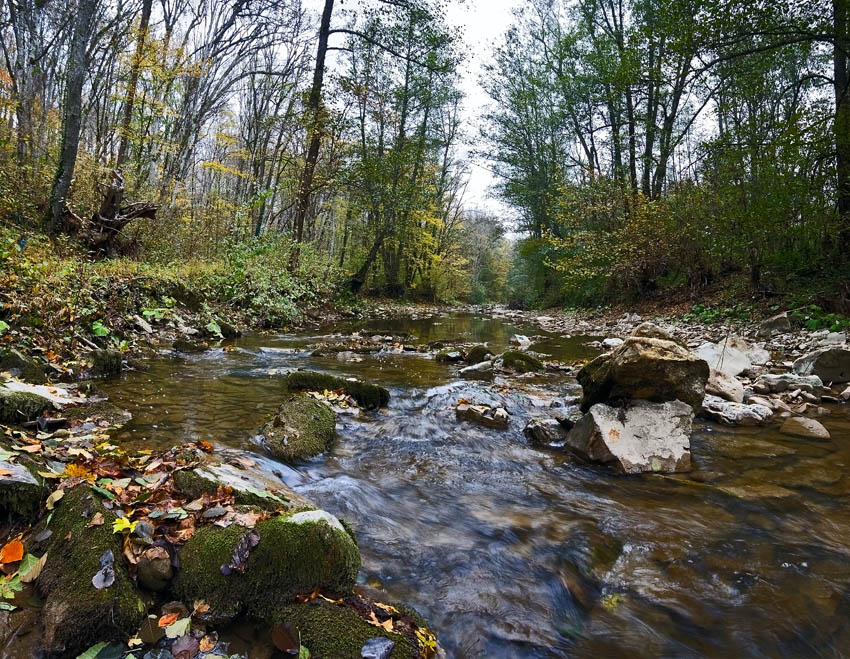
515 551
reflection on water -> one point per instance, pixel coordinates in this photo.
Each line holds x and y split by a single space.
511 551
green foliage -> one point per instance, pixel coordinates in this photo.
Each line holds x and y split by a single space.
99 329
813 317
706 313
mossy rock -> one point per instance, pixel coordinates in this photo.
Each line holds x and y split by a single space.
105 362
249 487
76 614
296 555
449 355
229 331
331 631
100 410
301 428
20 406
22 491
26 369
521 362
186 346
368 396
478 353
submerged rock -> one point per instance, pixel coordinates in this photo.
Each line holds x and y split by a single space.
186 346
301 428
77 614
724 357
644 368
492 417
643 437
520 362
800 426
548 431
724 386
829 364
292 557
368 396
733 413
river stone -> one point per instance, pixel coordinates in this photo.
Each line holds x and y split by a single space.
520 362
449 355
105 362
478 354
481 370
774 384
611 343
368 396
492 417
800 426
724 358
546 431
19 365
644 368
829 364
316 516
522 341
21 406
644 437
777 324
734 414
20 491
154 570
301 428
724 386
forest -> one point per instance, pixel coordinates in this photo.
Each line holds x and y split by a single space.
639 147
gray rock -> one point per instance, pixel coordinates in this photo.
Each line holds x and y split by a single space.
611 343
724 386
645 437
154 570
829 364
377 648
800 426
774 384
142 324
521 340
755 353
723 357
845 395
652 331
833 339
545 431
481 370
20 491
734 414
777 324
492 417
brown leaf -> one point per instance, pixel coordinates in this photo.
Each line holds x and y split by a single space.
96 520
12 552
185 647
208 642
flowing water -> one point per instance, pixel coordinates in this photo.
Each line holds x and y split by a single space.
515 551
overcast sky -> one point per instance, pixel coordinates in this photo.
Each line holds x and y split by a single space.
482 23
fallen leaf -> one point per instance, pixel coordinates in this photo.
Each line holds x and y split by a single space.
30 448
208 642
168 619
185 647
150 631
178 629
96 520
239 559
53 498
12 552
200 608
30 575
122 524
105 577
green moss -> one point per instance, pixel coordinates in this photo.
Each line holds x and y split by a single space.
204 480
200 576
291 559
521 362
449 355
332 631
477 354
19 406
76 614
105 362
368 396
27 369
102 410
301 428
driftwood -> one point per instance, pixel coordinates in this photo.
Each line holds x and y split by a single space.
103 233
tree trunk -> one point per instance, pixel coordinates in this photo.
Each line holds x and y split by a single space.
841 48
72 116
133 83
314 126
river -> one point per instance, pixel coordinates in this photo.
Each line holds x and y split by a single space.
515 551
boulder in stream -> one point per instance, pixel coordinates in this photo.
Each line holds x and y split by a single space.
644 437
478 353
829 364
644 368
369 396
800 426
520 362
724 357
733 413
548 431
492 417
289 556
481 371
301 428
105 362
21 406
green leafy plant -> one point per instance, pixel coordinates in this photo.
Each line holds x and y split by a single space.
99 329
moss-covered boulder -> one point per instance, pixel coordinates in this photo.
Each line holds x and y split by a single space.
105 362
20 406
296 555
101 411
21 489
249 488
18 364
368 396
189 347
301 428
478 353
449 355
76 614
521 362
330 630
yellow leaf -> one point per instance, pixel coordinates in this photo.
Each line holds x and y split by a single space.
122 524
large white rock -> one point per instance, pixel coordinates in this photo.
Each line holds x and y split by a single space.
734 414
723 357
724 386
829 364
645 437
754 352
